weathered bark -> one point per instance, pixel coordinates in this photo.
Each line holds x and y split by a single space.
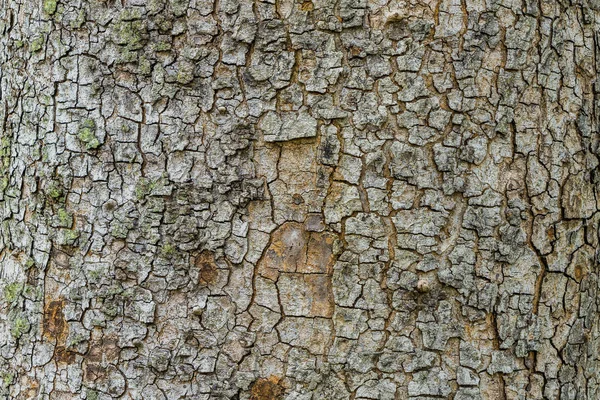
294 199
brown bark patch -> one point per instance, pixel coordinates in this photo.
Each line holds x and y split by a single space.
286 252
205 262
322 304
301 264
266 389
106 349
30 387
55 326
101 352
319 254
307 6
294 249
61 354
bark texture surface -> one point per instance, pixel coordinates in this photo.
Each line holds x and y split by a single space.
283 199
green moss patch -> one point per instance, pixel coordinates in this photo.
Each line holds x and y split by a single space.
87 134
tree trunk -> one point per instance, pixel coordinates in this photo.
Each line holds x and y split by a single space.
299 200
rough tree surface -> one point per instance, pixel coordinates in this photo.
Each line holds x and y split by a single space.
279 199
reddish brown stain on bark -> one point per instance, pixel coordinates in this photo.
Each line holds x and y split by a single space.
306 261
100 352
205 262
266 389
55 328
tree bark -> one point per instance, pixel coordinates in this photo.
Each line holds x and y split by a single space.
299 199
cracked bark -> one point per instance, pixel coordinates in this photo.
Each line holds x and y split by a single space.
299 199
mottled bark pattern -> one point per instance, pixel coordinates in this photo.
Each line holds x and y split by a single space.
296 199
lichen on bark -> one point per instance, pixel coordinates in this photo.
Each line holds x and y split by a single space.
289 199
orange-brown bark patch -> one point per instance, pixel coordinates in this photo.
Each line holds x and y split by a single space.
266 389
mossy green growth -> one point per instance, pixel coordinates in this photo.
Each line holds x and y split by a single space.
5 146
94 274
144 66
141 189
37 44
64 218
50 6
184 76
130 14
87 134
155 6
3 183
144 187
54 191
7 379
162 46
36 154
12 291
79 338
33 293
79 21
130 34
20 326
110 310
128 56
119 230
167 250
88 123
45 155
92 395
29 263
179 7
70 236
